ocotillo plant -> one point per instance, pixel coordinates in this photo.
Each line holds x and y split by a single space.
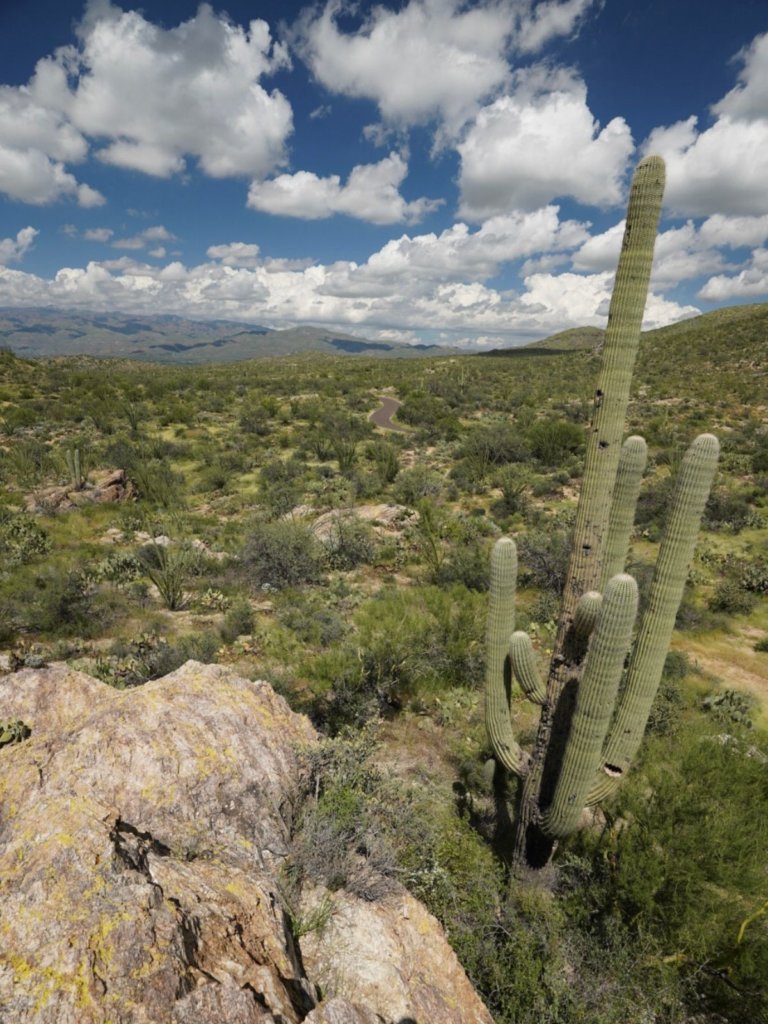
593 710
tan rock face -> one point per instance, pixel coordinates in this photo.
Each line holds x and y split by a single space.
142 835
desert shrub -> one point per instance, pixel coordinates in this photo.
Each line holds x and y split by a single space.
26 463
339 837
726 511
281 554
487 446
730 597
170 568
341 695
310 617
350 542
421 640
64 602
544 559
514 482
386 460
431 414
22 539
669 702
415 484
553 441
239 620
150 656
280 485
688 873
730 707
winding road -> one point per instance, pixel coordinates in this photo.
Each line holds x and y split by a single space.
382 417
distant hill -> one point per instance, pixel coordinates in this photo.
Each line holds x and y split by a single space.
170 339
735 336
571 340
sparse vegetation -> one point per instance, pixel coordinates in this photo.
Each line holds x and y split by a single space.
382 628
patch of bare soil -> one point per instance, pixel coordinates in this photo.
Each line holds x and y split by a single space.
732 659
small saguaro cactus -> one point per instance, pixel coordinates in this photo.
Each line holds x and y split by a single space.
74 466
597 697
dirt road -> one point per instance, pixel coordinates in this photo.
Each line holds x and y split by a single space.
382 417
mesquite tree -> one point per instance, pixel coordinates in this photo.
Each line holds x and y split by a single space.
597 697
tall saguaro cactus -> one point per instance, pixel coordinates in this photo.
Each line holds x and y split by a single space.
593 712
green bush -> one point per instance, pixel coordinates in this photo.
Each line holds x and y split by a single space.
419 641
553 441
685 878
544 559
281 554
239 620
730 597
350 542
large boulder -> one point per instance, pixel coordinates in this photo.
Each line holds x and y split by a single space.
142 837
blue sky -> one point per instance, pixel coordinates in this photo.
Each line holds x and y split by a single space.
421 170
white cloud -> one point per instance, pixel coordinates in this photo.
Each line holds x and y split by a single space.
431 59
734 231
235 254
723 168
30 176
12 249
320 294
160 95
36 144
680 254
749 99
157 233
548 20
751 282
539 142
98 234
371 193
425 283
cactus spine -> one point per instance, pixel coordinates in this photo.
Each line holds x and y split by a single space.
591 722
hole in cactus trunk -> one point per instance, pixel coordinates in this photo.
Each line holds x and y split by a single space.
602 444
613 770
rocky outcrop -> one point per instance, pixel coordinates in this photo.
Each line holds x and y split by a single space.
142 837
102 486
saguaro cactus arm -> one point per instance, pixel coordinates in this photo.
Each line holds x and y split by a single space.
647 662
498 675
632 459
523 660
595 702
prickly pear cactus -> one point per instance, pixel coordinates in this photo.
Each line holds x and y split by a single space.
594 710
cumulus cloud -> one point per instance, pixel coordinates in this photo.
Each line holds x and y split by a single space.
161 95
235 254
98 234
13 249
36 144
422 283
723 168
157 233
371 193
431 59
538 142
751 282
680 254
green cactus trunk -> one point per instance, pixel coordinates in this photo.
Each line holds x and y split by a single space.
595 702
591 722
498 674
647 662
622 339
